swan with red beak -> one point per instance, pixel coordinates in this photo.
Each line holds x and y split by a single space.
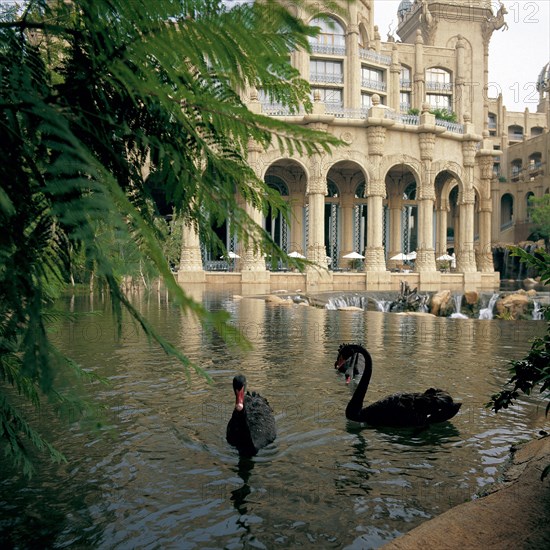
252 424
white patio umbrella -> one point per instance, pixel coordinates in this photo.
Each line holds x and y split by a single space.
354 256
296 254
444 258
232 254
401 257
411 255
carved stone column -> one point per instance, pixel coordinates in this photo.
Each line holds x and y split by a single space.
316 191
419 78
353 68
466 259
460 89
425 257
251 259
441 221
484 252
376 192
395 233
346 209
190 268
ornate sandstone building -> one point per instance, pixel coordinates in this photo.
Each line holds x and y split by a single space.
422 173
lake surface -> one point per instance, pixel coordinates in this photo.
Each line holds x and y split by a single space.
156 471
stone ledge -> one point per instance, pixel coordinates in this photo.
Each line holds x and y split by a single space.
515 514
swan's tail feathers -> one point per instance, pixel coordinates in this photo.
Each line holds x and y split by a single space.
442 406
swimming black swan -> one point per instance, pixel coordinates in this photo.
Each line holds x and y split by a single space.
399 410
353 366
252 425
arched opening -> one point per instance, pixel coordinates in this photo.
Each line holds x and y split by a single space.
506 211
274 223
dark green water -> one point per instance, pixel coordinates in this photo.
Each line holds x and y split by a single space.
158 473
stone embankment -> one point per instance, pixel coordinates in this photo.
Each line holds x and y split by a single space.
515 514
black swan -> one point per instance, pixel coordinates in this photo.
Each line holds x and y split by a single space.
353 366
252 425
399 410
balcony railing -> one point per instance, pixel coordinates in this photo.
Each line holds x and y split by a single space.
432 86
330 78
275 109
405 83
454 127
492 125
373 84
413 120
371 55
328 49
339 112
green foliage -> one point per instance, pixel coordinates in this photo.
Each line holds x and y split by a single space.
539 209
441 114
112 111
534 369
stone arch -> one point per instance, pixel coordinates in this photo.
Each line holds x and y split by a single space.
409 162
274 157
342 222
332 16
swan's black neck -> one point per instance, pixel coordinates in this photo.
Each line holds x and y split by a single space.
354 406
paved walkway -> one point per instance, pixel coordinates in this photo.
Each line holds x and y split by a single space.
515 515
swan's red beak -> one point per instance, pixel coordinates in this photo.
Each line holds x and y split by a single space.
339 362
348 378
239 403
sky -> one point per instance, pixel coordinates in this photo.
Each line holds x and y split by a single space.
516 55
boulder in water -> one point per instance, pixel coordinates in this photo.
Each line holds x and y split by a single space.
514 305
440 301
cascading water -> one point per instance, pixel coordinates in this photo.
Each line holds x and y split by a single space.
338 302
457 299
537 311
382 305
487 312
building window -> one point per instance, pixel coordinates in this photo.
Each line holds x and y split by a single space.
516 168
325 70
330 96
372 78
515 132
492 121
535 162
405 101
366 101
437 101
331 38
438 80
405 77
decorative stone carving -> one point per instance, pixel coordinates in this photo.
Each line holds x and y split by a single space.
469 152
486 167
428 24
376 137
316 185
375 188
427 144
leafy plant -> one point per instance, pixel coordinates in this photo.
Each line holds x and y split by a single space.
534 369
111 112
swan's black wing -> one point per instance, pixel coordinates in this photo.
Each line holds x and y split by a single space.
260 420
402 410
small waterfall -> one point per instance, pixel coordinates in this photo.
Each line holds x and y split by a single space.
487 312
338 302
537 311
382 305
457 299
